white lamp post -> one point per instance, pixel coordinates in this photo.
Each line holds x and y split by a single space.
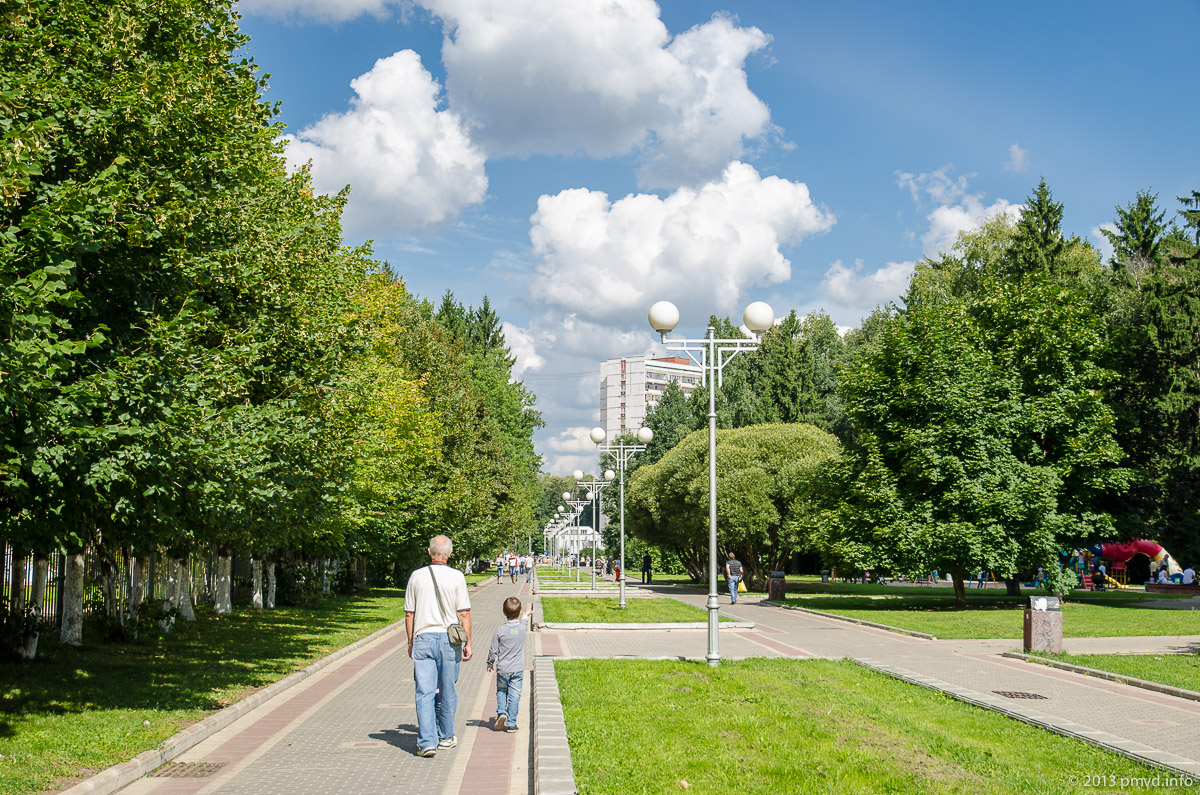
711 354
621 453
594 488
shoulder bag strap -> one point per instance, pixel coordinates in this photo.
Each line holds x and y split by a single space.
438 593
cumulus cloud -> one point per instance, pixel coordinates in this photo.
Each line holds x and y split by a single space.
860 290
1103 244
568 450
523 348
602 78
324 10
410 164
958 209
703 247
1018 159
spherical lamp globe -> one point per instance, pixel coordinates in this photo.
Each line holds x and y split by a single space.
577 474
609 474
561 509
645 435
664 317
759 317
591 496
597 435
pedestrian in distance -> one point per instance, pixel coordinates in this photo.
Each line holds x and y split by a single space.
436 605
647 573
733 575
506 656
512 568
499 568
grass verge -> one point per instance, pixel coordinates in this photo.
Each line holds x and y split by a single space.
1175 670
76 711
1103 615
593 610
766 726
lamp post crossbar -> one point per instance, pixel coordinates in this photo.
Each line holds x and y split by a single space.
595 487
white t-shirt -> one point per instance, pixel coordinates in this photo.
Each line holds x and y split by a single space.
1189 575
421 600
1163 579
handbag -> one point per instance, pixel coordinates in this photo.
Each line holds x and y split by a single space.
456 631
741 586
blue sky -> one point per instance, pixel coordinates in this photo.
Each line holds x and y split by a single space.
577 160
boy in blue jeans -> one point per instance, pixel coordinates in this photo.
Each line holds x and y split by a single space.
507 657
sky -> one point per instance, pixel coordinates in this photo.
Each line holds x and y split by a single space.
576 161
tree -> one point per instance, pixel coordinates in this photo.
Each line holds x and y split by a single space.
1138 237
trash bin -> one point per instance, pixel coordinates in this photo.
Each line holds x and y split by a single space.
824 575
1043 624
776 586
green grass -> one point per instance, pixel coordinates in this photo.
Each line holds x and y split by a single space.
761 727
591 610
75 711
1176 670
1111 614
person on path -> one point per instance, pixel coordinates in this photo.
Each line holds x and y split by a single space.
512 567
733 575
499 567
529 568
436 597
506 656
1189 576
647 574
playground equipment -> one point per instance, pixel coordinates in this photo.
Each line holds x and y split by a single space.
1124 552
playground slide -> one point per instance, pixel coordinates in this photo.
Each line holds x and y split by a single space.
1123 552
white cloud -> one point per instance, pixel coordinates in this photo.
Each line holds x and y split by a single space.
521 344
324 10
703 248
1018 159
569 450
852 288
602 78
958 210
410 165
1102 243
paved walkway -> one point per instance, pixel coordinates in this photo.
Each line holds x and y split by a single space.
351 728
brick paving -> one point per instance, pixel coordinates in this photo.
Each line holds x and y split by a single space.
351 728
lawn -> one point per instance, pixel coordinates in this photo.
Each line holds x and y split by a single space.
998 616
1176 670
591 610
767 726
74 710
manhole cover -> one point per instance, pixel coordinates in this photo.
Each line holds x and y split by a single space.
1018 694
188 769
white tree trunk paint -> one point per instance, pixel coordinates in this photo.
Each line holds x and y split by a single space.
223 602
72 610
271 584
256 594
183 596
141 580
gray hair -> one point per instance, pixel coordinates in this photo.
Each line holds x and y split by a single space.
440 547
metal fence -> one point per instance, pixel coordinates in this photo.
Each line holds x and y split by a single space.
50 607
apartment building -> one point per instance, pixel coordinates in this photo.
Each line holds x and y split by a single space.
629 387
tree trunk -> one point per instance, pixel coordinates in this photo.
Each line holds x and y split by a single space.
361 573
166 624
271 583
256 594
325 576
1012 586
15 620
137 590
183 595
71 632
223 596
108 574
960 588
37 598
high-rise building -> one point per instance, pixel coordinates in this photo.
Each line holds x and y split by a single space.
630 386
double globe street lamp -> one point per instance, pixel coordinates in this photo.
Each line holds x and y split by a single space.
621 453
594 488
711 355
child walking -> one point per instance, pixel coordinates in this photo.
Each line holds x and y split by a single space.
507 657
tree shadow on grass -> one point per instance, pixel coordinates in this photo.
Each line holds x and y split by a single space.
202 667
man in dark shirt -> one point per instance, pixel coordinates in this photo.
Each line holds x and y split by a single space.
646 565
733 575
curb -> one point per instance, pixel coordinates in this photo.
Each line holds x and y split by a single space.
1117 745
848 620
656 627
552 771
1132 681
122 775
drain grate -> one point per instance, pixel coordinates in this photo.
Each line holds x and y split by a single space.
188 769
1018 694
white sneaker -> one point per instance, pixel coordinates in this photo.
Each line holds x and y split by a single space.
427 751
448 742
500 721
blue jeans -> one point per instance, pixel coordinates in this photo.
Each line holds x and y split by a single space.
435 669
733 584
508 694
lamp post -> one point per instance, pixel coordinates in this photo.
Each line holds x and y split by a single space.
594 488
711 355
577 505
621 453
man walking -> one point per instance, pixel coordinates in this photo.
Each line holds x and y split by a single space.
646 564
435 598
733 575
